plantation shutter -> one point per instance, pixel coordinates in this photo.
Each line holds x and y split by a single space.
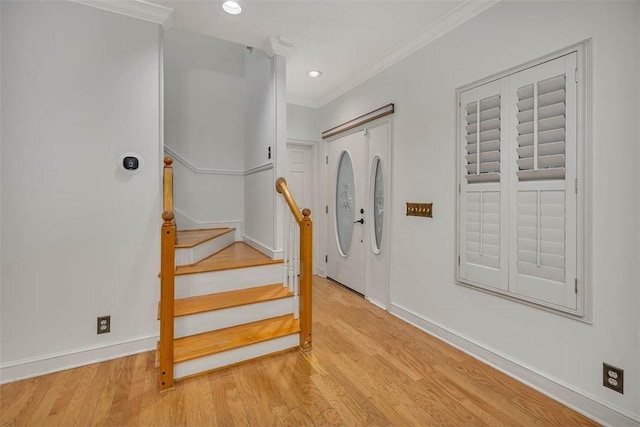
483 256
542 231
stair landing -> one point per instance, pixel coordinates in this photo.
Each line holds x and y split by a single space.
236 255
191 238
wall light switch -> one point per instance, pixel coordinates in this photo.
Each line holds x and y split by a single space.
420 209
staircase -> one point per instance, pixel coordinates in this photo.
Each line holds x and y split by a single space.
231 304
222 302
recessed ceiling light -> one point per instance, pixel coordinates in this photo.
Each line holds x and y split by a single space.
231 7
314 73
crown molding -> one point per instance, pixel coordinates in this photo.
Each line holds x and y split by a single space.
453 19
139 9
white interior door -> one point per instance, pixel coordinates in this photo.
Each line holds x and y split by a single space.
347 189
299 177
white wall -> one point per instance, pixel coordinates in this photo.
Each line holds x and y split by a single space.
80 238
260 134
303 123
204 127
543 348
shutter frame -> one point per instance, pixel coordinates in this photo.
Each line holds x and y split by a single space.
577 161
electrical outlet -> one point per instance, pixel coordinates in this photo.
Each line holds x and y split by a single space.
613 378
104 324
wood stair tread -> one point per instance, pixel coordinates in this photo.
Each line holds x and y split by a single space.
208 343
191 238
235 298
236 255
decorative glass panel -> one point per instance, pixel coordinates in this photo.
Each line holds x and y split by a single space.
345 210
378 203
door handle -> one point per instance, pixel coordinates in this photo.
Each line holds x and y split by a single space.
361 221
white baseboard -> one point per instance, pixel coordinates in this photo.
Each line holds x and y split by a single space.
578 400
377 303
262 247
33 367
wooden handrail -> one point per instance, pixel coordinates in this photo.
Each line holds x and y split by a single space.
306 262
167 279
281 187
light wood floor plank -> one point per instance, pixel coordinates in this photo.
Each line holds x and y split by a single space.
367 367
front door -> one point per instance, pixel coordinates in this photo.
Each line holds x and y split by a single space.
346 228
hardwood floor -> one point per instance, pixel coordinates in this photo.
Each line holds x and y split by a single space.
366 368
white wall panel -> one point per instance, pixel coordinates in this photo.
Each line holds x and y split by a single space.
422 87
205 124
80 238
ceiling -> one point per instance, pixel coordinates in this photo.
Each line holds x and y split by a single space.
348 40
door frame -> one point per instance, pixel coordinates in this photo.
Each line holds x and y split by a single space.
385 304
316 198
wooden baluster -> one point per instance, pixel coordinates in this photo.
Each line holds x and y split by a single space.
306 275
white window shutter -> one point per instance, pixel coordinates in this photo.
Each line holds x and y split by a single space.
542 217
483 226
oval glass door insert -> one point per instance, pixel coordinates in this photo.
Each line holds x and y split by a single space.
378 203
345 204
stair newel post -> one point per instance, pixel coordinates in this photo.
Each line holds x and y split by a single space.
167 278
167 291
306 275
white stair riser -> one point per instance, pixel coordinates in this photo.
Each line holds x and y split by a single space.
218 319
188 256
188 285
234 356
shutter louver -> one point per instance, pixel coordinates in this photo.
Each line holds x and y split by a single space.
541 234
483 228
483 140
541 129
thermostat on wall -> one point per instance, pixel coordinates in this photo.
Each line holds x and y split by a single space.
131 163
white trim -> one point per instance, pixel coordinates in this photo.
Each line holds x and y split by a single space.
302 142
261 247
584 310
136 9
41 365
260 168
208 171
377 303
453 19
195 169
567 394
316 211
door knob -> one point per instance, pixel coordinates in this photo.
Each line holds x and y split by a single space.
361 221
